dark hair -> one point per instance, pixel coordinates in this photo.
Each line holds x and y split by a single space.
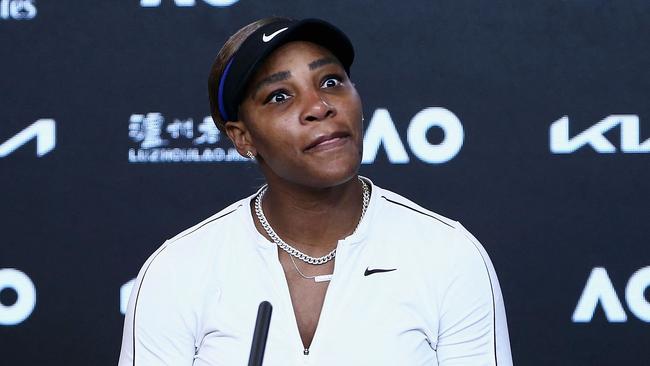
227 51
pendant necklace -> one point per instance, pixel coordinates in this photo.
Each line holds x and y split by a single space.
293 252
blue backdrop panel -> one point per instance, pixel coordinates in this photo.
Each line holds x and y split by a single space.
527 121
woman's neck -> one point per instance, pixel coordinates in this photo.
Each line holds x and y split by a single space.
310 219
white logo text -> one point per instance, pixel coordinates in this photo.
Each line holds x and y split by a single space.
560 142
599 289
381 131
44 130
186 3
22 285
17 9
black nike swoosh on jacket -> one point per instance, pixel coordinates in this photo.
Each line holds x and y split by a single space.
377 270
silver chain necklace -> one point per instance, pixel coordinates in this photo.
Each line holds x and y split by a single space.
293 251
316 278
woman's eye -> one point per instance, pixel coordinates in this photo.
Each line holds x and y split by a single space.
331 82
277 97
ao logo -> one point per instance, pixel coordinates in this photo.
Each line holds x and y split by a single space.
218 3
599 289
562 144
12 314
17 9
381 130
44 130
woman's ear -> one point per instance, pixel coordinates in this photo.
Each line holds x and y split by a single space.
240 137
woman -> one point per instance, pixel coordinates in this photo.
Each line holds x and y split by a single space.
357 275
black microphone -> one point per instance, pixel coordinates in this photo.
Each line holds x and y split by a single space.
261 332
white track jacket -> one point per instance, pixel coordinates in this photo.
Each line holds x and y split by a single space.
195 299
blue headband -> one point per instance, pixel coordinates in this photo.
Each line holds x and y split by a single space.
222 81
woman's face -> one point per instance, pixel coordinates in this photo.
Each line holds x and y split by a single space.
303 117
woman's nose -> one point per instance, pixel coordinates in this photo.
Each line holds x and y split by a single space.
317 108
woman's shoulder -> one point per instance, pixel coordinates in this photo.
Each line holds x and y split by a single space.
227 217
393 204
417 224
206 238
186 257
446 244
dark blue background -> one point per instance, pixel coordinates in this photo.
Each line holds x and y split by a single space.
81 220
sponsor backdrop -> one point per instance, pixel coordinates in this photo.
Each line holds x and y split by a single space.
528 121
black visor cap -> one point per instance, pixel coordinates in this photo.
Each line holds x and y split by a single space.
261 43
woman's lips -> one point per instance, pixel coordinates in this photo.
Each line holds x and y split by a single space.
327 142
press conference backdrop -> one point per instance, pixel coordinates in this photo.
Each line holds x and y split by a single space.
526 120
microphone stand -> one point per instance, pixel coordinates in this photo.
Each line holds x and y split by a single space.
261 332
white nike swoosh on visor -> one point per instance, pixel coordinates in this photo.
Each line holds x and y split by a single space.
266 38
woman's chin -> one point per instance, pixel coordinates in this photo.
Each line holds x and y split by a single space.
333 174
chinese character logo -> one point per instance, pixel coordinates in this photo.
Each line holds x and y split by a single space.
177 140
